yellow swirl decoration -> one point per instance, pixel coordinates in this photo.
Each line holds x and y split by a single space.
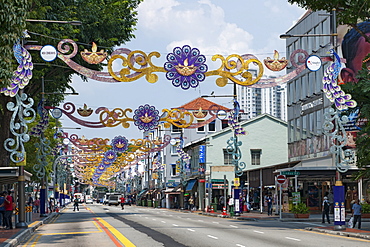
98 144
147 68
115 117
177 118
230 68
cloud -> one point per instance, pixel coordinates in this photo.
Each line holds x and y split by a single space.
198 24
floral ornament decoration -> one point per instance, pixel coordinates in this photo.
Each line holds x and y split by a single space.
146 117
119 144
185 67
110 156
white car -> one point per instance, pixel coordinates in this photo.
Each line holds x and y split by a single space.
89 200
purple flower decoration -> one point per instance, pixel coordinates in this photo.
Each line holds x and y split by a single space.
23 74
186 67
100 169
109 156
119 144
146 117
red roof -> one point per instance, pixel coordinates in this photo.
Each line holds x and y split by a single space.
201 103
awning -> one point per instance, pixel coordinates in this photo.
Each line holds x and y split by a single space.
143 192
9 175
190 184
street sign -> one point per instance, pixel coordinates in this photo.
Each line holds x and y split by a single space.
280 179
290 173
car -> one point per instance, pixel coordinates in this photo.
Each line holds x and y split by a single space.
89 200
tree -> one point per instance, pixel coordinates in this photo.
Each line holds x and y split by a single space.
360 91
108 23
348 12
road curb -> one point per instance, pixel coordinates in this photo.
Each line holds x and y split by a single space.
340 233
26 233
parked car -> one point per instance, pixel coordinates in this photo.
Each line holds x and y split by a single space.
89 200
114 199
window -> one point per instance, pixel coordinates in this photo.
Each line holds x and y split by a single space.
175 129
173 150
224 124
228 158
201 129
175 169
255 157
212 126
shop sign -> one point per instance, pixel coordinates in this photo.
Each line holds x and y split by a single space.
202 154
290 173
171 184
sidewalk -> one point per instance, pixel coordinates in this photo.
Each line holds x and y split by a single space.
15 236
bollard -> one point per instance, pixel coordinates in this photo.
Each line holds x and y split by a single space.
224 211
16 218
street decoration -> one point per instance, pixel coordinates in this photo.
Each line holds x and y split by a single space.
94 56
275 63
23 113
335 119
185 67
146 117
332 90
103 159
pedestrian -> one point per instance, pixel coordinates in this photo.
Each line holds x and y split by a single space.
36 205
75 204
122 202
2 210
356 213
51 204
191 203
325 210
8 210
30 200
268 201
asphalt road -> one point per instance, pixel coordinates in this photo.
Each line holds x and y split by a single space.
98 225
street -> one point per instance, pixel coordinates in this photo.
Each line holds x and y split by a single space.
100 225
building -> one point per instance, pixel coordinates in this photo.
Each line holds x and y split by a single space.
257 150
307 104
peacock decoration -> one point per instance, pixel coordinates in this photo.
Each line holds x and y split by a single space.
233 120
332 90
23 74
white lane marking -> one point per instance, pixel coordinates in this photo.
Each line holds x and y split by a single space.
170 215
201 220
233 226
188 218
240 245
175 225
295 239
154 219
163 221
215 222
192 230
258 231
146 218
210 236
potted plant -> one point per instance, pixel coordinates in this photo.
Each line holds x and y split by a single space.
301 210
365 210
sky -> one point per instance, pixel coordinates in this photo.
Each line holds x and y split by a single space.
213 26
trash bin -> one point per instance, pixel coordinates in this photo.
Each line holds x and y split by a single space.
156 204
149 203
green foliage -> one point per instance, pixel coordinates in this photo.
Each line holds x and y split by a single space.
12 19
365 208
348 12
108 23
300 208
360 91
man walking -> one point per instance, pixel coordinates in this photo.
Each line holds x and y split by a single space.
325 210
356 213
75 204
268 200
8 210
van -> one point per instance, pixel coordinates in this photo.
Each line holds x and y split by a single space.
114 199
